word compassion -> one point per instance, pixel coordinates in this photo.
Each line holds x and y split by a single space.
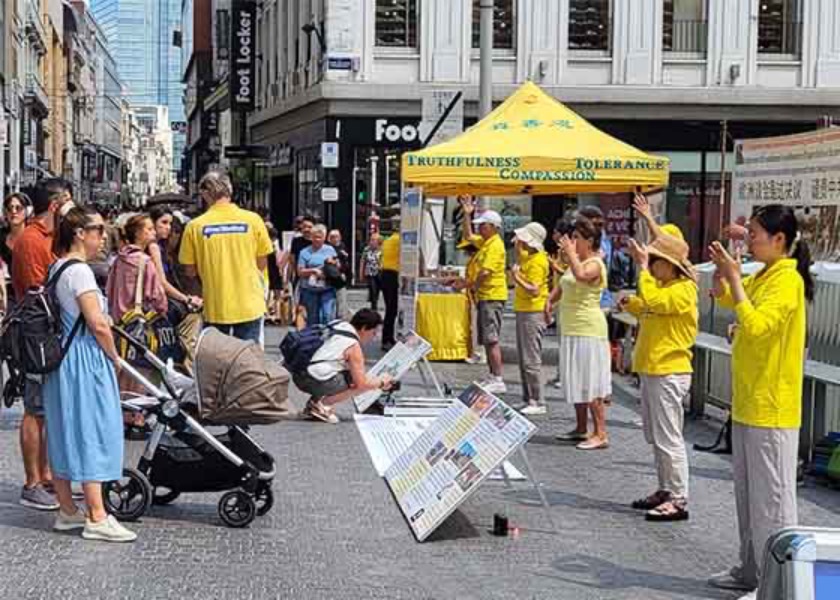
510 168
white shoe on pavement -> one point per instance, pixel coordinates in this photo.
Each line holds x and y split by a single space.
108 530
494 385
534 409
750 596
70 522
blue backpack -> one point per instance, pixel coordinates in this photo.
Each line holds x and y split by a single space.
299 346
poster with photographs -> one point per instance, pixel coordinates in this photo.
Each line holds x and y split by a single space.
448 462
411 217
801 171
399 359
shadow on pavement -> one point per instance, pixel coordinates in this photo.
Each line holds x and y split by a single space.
567 499
592 572
456 527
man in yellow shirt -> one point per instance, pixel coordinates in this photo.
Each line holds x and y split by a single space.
490 287
390 287
227 248
666 306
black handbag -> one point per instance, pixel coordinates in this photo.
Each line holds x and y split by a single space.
333 276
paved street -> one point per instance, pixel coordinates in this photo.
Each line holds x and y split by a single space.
335 531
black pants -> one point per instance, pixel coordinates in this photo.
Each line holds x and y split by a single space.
390 291
374 287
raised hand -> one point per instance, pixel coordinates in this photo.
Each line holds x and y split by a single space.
639 253
728 267
641 205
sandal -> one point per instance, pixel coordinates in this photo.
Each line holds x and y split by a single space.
673 510
655 499
594 443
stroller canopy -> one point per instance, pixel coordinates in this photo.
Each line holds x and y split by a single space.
237 385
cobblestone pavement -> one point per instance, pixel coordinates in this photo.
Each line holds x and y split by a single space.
335 531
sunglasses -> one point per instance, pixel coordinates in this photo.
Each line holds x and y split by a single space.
15 208
98 228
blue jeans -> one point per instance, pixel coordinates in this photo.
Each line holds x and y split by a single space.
249 331
320 305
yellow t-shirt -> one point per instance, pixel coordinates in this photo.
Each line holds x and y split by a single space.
768 355
580 305
667 325
533 268
224 245
491 257
391 253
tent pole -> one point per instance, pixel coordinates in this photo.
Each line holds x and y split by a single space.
485 104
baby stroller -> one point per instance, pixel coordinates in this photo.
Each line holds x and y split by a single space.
235 387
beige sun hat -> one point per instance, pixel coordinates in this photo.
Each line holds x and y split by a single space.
670 246
532 235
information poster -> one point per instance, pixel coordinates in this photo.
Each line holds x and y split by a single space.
801 171
448 462
411 217
395 363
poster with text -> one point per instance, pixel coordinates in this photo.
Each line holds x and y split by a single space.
801 171
399 359
448 462
411 217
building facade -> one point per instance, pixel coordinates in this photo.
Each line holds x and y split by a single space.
153 165
660 74
141 36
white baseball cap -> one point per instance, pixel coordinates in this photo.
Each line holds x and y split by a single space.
489 216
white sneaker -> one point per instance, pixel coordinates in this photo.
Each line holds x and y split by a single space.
534 409
108 530
751 596
557 384
494 385
70 522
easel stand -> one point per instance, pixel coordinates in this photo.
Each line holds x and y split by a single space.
536 483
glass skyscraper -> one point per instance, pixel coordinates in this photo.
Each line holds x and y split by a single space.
140 35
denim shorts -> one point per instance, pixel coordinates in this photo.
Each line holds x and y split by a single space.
33 401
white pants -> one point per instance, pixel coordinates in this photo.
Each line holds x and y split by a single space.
662 421
764 470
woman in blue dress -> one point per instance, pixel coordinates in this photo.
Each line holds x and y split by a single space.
81 398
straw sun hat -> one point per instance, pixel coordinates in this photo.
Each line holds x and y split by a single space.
671 247
532 235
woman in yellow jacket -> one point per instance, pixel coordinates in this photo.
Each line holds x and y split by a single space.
666 306
768 358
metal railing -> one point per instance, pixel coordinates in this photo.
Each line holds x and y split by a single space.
35 89
689 37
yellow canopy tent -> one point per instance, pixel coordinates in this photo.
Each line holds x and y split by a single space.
532 144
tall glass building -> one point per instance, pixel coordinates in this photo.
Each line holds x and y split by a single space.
140 35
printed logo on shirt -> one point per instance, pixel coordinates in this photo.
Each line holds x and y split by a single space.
225 228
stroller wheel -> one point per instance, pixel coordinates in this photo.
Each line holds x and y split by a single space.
237 509
264 498
129 497
163 498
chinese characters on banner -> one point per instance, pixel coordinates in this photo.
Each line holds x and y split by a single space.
801 171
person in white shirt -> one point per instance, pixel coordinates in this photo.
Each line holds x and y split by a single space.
336 372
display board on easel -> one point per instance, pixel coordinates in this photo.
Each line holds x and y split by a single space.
453 456
411 221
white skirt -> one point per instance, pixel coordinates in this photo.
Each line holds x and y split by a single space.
585 368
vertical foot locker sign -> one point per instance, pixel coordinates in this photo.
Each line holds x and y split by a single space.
243 55
448 462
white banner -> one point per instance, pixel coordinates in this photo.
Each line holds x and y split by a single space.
801 171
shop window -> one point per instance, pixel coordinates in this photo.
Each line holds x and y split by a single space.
684 26
780 28
504 24
590 25
396 23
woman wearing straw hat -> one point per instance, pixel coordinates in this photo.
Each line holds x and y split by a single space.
530 274
666 306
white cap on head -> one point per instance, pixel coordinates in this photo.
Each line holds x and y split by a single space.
489 216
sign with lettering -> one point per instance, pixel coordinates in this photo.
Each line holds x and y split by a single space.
243 55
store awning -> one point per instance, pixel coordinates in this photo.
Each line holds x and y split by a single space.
532 144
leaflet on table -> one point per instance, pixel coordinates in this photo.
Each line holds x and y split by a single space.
453 456
395 363
387 437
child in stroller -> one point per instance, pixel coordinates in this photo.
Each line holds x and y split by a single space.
234 387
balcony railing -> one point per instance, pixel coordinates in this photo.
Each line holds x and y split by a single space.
779 37
35 30
687 37
36 94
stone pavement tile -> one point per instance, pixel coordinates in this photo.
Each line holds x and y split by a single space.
335 531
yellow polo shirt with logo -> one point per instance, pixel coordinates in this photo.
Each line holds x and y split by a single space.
391 253
491 257
224 244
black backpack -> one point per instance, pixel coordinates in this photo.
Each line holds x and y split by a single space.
31 337
299 346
